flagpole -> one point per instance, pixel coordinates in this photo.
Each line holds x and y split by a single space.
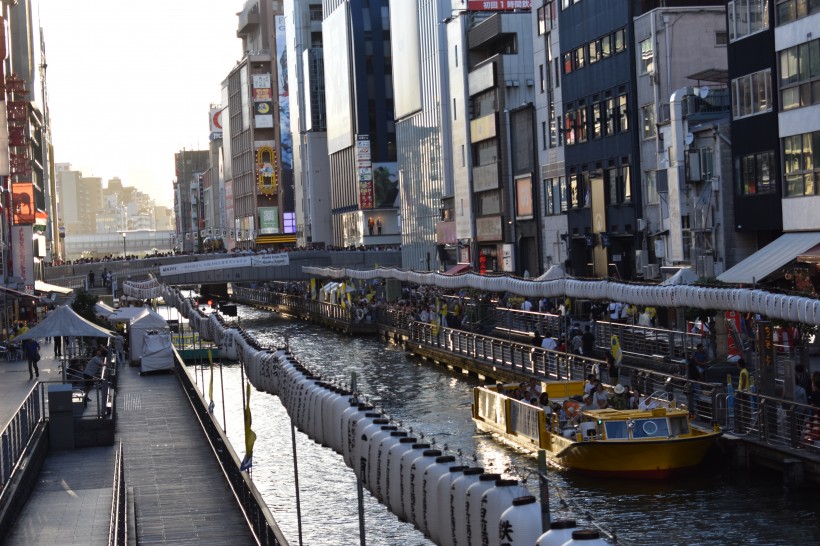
296 481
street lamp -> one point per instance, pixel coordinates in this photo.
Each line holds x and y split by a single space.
123 246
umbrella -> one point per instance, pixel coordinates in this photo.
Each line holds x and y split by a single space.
63 322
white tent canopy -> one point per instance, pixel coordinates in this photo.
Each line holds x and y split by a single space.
147 321
103 309
64 322
125 314
683 276
157 353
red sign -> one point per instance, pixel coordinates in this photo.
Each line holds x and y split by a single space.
498 5
22 203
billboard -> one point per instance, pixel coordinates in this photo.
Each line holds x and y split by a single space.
364 170
523 197
386 184
497 5
215 120
22 203
336 36
268 220
404 41
285 138
23 254
266 170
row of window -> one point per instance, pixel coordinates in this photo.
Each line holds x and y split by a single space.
801 158
753 173
752 94
800 75
792 10
747 17
603 118
594 51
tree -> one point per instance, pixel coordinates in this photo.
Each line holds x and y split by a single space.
83 305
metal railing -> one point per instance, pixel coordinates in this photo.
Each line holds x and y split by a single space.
771 420
647 341
18 433
118 525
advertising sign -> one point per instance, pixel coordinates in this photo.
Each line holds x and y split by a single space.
268 220
283 89
22 203
498 5
365 172
23 253
215 120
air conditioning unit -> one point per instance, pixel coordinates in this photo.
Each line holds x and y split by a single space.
651 271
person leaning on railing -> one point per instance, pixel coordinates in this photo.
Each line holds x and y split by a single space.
91 372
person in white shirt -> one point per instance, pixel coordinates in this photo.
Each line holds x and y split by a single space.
614 311
548 342
526 305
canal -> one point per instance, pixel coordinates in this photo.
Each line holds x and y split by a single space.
713 506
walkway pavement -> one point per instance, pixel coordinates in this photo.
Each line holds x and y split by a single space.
179 493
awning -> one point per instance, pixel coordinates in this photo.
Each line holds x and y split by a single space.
811 256
457 269
17 293
771 257
41 286
273 239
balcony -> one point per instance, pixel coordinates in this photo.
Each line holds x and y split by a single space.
248 21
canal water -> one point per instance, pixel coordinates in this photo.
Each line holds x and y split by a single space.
714 506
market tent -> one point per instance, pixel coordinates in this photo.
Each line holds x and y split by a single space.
64 322
103 310
157 353
125 314
684 275
147 321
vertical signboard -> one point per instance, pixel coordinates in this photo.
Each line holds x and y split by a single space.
285 138
22 203
364 170
262 101
765 344
23 261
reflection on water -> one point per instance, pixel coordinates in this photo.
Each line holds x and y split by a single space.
712 507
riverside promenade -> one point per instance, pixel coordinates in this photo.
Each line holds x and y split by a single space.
177 493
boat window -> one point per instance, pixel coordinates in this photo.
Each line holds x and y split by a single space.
616 430
679 426
650 428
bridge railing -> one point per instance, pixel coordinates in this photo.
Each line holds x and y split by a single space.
18 432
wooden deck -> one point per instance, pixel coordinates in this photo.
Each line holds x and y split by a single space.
179 492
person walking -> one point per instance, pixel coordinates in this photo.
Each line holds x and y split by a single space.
58 347
32 351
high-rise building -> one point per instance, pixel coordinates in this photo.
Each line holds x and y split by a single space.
308 122
189 166
361 134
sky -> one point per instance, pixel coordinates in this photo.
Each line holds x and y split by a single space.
130 83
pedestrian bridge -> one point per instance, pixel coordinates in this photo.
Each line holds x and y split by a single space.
224 268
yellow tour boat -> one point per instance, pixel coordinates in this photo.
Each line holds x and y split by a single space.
652 443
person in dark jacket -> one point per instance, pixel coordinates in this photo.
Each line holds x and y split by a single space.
32 351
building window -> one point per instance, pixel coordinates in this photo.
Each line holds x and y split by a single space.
611 183
580 58
747 17
567 63
619 39
626 181
594 51
801 158
721 38
752 94
569 127
597 126
542 78
648 116
754 173
647 56
581 119
650 183
606 46
800 75
609 117
544 134
623 114
554 189
792 10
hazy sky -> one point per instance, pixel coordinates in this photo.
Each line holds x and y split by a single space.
130 83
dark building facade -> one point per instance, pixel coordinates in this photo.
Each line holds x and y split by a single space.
755 135
597 69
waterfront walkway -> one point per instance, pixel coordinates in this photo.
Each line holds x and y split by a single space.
177 492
